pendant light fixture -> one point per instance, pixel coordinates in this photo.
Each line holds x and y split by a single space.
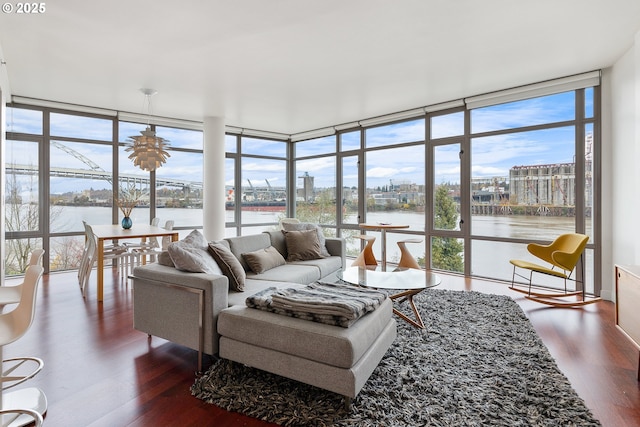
148 151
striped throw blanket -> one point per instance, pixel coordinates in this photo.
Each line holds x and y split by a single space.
333 304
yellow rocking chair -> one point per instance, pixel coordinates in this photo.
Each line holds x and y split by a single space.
563 254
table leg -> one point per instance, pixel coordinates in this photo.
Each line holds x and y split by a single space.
100 272
408 295
383 243
144 256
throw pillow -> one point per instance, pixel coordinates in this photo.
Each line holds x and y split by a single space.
263 259
302 245
195 238
229 265
193 259
308 226
165 259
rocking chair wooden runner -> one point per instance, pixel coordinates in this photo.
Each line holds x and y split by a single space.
563 254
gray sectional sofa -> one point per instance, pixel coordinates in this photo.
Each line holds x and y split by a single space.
202 311
164 296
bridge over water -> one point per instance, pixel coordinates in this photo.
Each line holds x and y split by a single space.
92 174
96 172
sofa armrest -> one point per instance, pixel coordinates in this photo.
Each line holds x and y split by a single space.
336 246
179 306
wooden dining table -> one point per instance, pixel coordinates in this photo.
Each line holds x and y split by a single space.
116 232
383 227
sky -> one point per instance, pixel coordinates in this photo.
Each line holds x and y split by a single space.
491 156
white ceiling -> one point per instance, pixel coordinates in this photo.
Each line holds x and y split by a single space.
291 66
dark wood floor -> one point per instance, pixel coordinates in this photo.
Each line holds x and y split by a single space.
99 371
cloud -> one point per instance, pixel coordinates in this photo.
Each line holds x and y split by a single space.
480 171
396 133
381 172
325 164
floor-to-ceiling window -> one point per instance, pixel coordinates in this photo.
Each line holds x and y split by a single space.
315 186
476 183
446 246
256 183
65 167
531 178
23 192
394 182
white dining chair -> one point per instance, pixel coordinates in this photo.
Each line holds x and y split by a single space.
154 248
21 404
118 253
10 294
144 244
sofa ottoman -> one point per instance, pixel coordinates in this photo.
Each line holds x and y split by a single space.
329 357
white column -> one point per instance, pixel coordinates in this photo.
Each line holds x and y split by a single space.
213 209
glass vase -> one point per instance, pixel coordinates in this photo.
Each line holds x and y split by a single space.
126 222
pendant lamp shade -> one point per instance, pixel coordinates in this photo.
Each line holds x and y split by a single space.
148 151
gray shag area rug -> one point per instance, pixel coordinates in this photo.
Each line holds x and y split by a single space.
478 362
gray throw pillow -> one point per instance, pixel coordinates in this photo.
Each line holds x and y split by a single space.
190 254
165 259
263 259
309 226
195 238
229 265
302 245
193 259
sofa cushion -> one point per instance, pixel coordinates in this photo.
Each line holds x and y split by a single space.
302 245
278 241
242 244
155 272
229 265
326 265
263 259
331 345
308 226
293 273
